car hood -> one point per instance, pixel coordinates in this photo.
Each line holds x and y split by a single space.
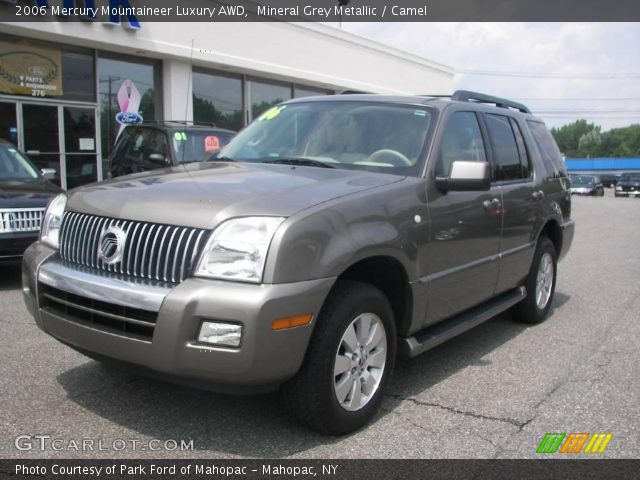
21 194
205 194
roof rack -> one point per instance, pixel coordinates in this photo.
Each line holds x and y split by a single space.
467 96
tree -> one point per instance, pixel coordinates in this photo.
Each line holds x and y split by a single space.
581 139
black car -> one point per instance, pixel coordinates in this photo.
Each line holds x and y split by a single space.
24 194
609 180
628 185
586 185
150 146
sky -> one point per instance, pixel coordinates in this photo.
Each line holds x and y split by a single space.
561 71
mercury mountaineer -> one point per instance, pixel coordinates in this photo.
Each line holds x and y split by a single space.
331 235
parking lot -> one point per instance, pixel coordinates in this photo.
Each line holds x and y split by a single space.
491 392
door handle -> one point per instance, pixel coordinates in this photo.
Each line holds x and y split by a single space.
491 204
537 195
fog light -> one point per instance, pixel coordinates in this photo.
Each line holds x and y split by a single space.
223 334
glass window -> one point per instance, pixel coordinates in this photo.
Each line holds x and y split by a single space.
351 135
506 159
80 147
265 95
525 163
78 81
217 99
128 87
551 156
8 122
462 140
139 149
299 92
198 146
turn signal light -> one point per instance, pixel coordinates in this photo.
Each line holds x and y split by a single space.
291 322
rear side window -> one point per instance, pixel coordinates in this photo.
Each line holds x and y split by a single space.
506 156
549 151
462 140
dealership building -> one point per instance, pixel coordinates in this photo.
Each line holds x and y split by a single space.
65 85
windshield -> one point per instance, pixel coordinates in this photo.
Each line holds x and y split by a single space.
15 166
582 180
354 135
198 146
630 178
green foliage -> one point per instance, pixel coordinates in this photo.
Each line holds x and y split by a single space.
581 139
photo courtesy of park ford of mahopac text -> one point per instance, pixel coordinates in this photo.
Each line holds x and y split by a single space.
327 239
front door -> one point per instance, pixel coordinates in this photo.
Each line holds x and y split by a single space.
461 260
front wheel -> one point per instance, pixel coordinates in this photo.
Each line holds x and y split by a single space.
348 362
540 284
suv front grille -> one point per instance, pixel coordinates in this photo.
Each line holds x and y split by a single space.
158 252
110 317
20 219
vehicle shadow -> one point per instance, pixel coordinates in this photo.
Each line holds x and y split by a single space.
10 275
256 426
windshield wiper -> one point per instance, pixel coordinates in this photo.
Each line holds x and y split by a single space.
221 159
304 162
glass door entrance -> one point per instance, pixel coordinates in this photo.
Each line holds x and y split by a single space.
41 137
62 137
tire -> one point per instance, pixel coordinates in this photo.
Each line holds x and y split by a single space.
535 307
312 396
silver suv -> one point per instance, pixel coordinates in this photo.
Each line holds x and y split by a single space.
328 237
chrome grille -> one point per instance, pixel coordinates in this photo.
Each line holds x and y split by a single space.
163 253
20 219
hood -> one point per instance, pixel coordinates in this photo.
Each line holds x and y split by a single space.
26 194
204 194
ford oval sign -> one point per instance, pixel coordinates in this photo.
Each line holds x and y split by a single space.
128 118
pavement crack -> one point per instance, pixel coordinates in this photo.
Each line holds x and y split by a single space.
519 424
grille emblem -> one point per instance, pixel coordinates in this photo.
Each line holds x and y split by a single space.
111 245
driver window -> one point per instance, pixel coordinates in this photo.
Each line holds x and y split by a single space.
462 140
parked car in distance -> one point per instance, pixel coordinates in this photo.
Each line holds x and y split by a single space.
586 185
628 185
154 145
609 180
329 236
24 194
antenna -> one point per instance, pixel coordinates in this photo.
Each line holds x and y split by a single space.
186 105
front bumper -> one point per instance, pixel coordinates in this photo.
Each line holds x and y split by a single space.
264 359
627 193
13 245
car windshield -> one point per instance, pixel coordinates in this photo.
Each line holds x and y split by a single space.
15 166
354 135
630 178
582 180
198 146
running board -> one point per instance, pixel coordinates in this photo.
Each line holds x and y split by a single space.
434 335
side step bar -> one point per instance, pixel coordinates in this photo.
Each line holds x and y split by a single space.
434 335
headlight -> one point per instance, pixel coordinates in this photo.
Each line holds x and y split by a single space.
237 249
50 229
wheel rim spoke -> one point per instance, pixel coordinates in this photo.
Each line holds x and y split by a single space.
343 388
356 395
377 358
343 364
362 329
377 335
350 339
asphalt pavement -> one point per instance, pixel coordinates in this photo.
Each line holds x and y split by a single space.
491 392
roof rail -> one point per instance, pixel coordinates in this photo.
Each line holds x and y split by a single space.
183 122
467 96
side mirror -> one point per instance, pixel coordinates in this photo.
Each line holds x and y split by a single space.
466 176
158 158
48 173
